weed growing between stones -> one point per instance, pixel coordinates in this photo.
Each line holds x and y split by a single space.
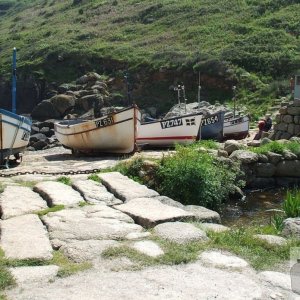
64 180
50 209
29 184
94 177
83 203
6 278
66 266
2 187
291 204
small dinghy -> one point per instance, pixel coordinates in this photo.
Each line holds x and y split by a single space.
236 128
14 129
113 133
171 131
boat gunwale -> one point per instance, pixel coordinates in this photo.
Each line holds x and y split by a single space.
15 116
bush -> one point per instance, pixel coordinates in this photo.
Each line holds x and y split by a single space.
277 147
192 177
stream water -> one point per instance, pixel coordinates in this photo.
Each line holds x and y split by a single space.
253 210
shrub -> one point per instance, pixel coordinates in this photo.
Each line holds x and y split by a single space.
192 177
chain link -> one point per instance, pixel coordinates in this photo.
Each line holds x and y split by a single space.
50 173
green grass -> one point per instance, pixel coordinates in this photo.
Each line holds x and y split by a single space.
252 43
65 180
240 241
66 266
277 147
50 209
29 184
2 187
94 177
291 204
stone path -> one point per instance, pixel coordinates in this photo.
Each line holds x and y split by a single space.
114 213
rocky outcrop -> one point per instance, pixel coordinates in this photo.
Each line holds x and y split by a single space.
89 93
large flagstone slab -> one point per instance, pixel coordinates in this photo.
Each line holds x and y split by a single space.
20 200
57 193
149 212
25 237
125 188
92 222
94 192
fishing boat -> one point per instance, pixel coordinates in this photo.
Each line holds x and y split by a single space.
236 128
170 131
113 133
14 129
212 127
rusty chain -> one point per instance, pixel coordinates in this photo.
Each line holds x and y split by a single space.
49 173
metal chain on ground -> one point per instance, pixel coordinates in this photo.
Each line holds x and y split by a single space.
50 173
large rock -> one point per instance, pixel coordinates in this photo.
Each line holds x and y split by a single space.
277 279
168 201
294 111
19 200
34 275
265 170
94 192
214 227
288 168
80 251
92 222
149 212
202 214
271 239
87 102
57 193
179 232
232 145
291 227
287 119
245 157
25 237
45 110
124 188
148 247
62 103
274 158
218 259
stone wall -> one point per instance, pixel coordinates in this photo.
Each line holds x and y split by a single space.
287 121
269 170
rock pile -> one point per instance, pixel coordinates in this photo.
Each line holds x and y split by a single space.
288 121
89 92
205 107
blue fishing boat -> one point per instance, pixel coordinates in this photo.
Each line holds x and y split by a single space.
14 129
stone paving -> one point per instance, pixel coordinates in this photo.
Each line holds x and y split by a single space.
116 212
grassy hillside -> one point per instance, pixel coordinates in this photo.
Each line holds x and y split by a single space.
253 42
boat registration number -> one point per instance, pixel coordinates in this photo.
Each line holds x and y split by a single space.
171 123
25 136
104 122
209 120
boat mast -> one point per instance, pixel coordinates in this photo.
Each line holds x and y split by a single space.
199 88
14 81
184 98
234 100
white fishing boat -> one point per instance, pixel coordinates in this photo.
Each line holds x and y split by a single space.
236 128
14 134
113 133
168 132
14 129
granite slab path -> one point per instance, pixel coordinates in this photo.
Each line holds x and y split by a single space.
125 188
25 237
94 192
57 193
20 200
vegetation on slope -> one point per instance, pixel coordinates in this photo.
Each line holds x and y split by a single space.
249 42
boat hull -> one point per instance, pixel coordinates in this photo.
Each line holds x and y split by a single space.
168 132
114 133
212 127
236 128
14 133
